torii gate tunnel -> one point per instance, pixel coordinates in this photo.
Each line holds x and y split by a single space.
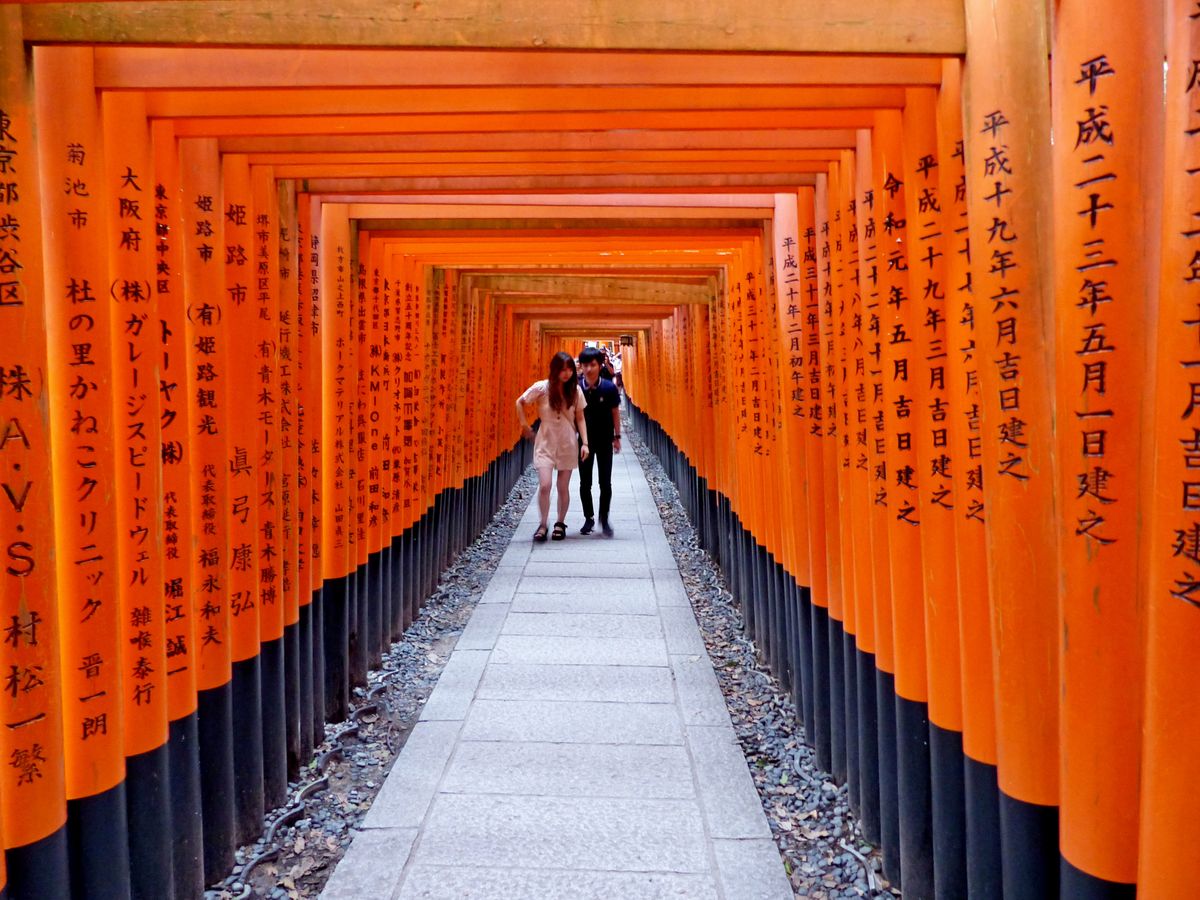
914 295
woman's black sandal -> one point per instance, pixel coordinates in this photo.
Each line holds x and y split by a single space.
560 531
541 534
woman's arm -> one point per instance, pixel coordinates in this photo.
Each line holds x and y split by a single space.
581 424
526 431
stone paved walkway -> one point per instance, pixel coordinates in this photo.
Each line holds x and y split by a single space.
577 744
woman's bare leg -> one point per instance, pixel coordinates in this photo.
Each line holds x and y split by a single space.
544 474
564 493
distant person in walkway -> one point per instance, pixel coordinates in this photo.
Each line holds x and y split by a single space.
603 415
616 367
562 437
606 371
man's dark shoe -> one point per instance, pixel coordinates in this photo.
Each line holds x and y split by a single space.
589 526
607 529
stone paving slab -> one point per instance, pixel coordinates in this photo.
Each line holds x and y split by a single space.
523 648
591 552
539 565
436 883
669 589
570 585
373 865
565 833
750 870
452 695
483 628
570 770
604 684
731 805
640 602
405 796
502 586
583 625
576 745
584 722
700 699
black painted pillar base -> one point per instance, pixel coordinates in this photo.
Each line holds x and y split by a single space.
148 806
296 694
248 799
889 790
336 644
837 702
850 714
97 842
187 832
949 813
916 799
984 877
274 723
1029 849
40 868
214 718
819 731
1079 885
868 749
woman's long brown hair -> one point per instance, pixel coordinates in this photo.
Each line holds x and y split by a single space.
562 395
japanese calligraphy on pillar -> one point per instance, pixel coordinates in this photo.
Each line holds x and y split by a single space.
137 346
898 326
289 374
927 286
966 429
1097 487
174 449
204 284
244 431
31 767
268 399
78 322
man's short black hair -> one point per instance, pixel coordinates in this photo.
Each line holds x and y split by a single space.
591 354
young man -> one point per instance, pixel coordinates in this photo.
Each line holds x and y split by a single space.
603 417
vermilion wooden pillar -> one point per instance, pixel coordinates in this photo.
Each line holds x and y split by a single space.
128 197
78 327
928 246
1169 776
1107 176
180 517
209 371
963 323
903 395
1007 131
32 794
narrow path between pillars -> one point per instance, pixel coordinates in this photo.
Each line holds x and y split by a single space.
577 744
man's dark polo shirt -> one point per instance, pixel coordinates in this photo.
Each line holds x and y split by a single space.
601 401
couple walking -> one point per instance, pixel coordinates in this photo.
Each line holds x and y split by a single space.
572 411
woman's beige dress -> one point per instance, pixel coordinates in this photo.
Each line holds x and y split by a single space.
557 443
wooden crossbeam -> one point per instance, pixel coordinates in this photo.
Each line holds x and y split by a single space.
562 120
780 181
407 100
138 68
523 140
626 289
798 26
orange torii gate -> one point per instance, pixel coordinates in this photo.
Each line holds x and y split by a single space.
923 443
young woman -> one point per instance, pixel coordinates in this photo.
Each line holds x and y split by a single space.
556 446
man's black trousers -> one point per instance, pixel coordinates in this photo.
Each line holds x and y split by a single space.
603 461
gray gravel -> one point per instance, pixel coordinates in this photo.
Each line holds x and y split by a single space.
357 754
825 853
